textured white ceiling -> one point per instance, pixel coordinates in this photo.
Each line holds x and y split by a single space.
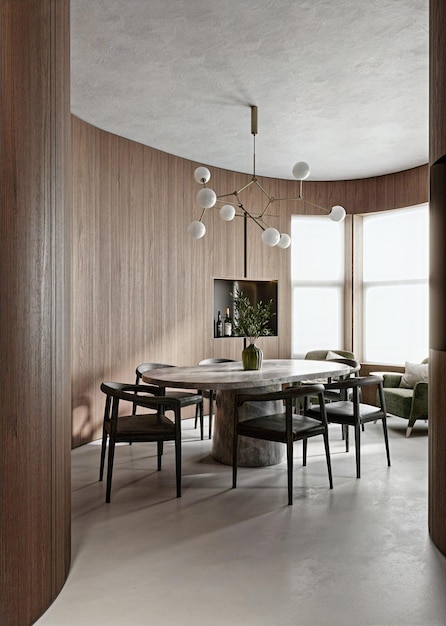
341 84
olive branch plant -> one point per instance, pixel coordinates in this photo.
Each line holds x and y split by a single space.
251 320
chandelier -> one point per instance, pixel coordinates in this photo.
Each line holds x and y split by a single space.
231 208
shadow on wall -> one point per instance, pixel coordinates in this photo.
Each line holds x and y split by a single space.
88 400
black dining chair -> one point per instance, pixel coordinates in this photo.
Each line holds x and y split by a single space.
186 397
335 394
209 394
352 412
284 426
152 426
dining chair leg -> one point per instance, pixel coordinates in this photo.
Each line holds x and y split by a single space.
111 456
159 446
196 415
358 449
304 451
234 459
211 410
327 456
289 460
178 464
103 449
386 440
197 409
346 437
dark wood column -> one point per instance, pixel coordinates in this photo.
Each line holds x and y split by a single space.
35 381
437 386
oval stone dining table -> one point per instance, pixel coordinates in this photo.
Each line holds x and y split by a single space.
228 379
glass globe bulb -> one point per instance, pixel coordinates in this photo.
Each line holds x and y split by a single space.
337 213
206 198
227 212
196 229
301 170
202 175
271 237
284 241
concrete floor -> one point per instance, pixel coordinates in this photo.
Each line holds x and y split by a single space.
359 555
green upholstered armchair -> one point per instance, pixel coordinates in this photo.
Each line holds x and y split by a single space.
321 355
411 404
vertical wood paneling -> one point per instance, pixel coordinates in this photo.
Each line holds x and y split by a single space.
437 80
35 291
437 457
437 363
143 288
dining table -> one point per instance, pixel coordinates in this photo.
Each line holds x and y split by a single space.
228 379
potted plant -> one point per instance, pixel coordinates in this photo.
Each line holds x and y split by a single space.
251 321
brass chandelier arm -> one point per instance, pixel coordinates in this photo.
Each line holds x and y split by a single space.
270 235
246 212
305 201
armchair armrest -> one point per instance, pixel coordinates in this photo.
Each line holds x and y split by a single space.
420 401
392 379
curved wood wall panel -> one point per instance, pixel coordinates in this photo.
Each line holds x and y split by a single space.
143 289
437 80
35 426
437 457
437 150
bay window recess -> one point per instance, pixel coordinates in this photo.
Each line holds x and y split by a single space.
395 286
363 288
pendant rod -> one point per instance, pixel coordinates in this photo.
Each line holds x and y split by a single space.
254 133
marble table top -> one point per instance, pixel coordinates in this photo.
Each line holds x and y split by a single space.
232 376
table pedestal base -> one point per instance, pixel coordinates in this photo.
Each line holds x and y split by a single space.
251 452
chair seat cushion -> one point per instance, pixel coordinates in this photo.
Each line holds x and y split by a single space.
399 401
143 427
342 412
185 398
272 427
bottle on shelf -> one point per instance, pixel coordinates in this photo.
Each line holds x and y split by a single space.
219 326
228 324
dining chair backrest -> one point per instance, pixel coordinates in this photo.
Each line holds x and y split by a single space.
184 396
353 364
356 382
145 367
215 360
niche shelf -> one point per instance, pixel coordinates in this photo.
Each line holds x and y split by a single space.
256 290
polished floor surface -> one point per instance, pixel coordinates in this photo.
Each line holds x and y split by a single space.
359 555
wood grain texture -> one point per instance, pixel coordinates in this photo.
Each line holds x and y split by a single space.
437 457
35 428
437 80
143 289
437 362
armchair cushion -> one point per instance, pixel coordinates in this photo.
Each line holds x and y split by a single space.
321 355
333 355
398 401
413 374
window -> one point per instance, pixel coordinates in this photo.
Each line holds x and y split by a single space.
395 286
317 275
391 298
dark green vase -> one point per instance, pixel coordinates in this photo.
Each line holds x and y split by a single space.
252 357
